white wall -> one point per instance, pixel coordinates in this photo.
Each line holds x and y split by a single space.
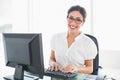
20 15
5 9
106 23
5 13
106 17
109 59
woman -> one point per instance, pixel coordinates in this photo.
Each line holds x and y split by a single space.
73 51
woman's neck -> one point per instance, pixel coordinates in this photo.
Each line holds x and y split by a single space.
73 35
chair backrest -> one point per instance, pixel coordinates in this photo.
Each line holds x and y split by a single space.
96 60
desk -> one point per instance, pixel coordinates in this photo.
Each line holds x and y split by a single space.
5 71
45 78
48 78
89 77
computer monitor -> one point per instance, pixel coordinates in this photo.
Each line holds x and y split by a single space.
24 52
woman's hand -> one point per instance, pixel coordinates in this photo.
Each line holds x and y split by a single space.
54 66
70 68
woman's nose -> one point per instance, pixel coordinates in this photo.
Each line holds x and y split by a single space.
73 22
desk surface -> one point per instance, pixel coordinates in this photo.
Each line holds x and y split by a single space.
48 78
89 77
6 71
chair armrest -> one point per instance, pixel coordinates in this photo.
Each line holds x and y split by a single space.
101 74
100 67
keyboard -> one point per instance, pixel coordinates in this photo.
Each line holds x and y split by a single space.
59 74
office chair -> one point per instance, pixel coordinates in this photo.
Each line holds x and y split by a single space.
96 60
97 69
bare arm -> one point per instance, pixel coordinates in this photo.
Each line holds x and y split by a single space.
88 69
53 64
52 56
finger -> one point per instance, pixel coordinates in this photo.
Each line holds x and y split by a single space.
52 68
49 68
65 71
59 68
74 70
56 67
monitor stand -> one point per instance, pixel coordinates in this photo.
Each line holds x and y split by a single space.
11 77
19 72
19 75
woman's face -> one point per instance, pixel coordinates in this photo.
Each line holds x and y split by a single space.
75 21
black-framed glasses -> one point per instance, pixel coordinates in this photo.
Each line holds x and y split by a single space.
77 20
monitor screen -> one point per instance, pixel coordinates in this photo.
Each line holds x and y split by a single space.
24 52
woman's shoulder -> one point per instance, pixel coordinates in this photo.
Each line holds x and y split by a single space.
83 37
88 40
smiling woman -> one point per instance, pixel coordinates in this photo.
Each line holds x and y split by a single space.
73 51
